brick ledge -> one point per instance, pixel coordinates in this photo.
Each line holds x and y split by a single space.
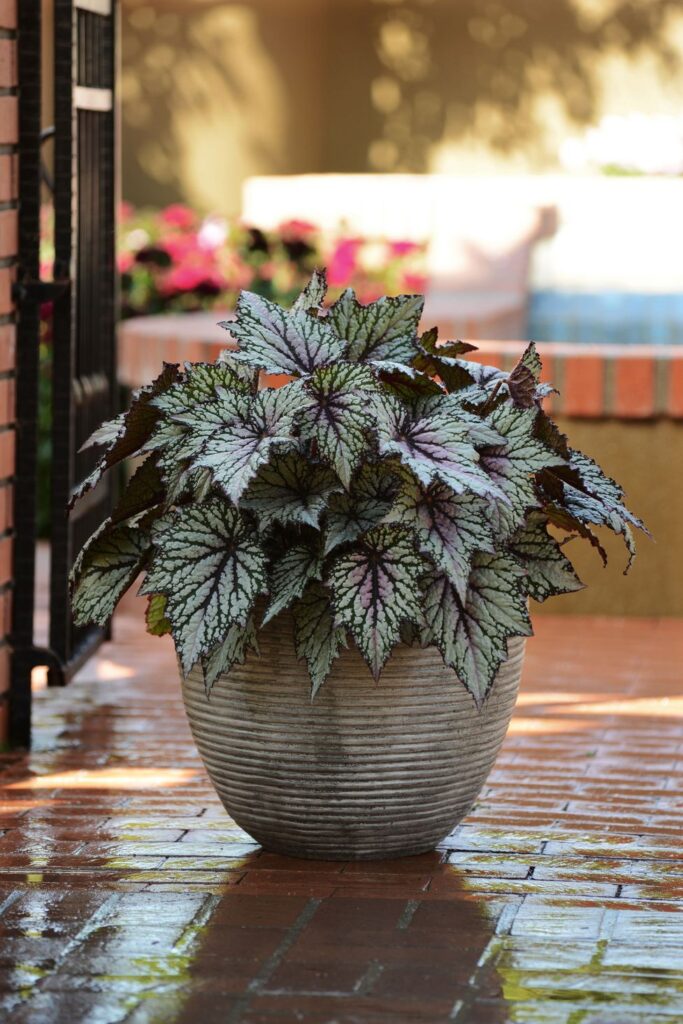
630 382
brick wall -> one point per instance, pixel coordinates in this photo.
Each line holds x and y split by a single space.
8 250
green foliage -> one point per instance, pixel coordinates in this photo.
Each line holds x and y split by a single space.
391 492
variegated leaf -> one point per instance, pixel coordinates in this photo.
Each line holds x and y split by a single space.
289 578
385 329
449 527
375 588
313 295
339 415
211 568
233 650
105 569
435 446
513 465
106 434
202 384
155 616
589 509
235 452
316 637
593 479
472 633
279 341
443 360
290 490
549 571
353 513
128 434
144 490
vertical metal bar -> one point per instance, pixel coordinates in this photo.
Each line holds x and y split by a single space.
64 333
28 341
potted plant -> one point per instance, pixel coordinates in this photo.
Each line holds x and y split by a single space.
344 562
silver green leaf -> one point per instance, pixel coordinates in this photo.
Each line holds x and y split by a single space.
289 578
316 637
128 434
290 490
435 446
365 506
382 330
449 527
313 295
105 569
472 633
202 383
211 568
549 571
512 466
340 415
376 588
238 641
593 478
235 452
278 341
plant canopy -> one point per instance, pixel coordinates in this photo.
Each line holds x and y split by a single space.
391 492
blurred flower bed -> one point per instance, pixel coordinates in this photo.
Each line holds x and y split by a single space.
171 260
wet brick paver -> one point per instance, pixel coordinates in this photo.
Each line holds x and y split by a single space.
126 894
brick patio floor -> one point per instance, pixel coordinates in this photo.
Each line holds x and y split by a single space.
126 893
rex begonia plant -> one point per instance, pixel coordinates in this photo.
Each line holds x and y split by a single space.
392 492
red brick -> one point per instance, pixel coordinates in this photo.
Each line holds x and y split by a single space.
8 334
8 13
8 232
7 392
674 404
5 560
8 177
8 63
9 119
7 446
583 386
6 507
6 281
634 387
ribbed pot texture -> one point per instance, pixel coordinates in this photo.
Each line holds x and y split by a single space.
365 770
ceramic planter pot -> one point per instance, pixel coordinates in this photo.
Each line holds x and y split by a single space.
364 770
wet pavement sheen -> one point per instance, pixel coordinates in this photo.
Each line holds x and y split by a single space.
127 894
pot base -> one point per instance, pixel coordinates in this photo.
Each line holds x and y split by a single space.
366 770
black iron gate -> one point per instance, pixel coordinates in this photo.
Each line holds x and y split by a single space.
83 321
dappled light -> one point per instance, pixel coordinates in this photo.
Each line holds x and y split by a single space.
127 778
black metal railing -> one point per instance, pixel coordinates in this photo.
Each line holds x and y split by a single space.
83 293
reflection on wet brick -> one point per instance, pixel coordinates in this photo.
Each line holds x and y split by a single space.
127 894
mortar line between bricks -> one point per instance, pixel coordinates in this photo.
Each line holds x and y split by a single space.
257 983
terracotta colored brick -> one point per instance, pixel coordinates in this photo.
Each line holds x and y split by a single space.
7 392
5 560
6 281
8 177
583 386
6 507
8 334
634 387
5 612
8 13
8 232
7 447
9 119
674 403
8 63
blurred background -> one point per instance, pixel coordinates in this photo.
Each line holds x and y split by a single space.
519 161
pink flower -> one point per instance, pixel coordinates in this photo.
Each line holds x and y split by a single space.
414 282
125 261
293 229
178 216
126 212
343 262
404 248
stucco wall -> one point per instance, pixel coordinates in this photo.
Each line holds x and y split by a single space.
646 459
215 91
